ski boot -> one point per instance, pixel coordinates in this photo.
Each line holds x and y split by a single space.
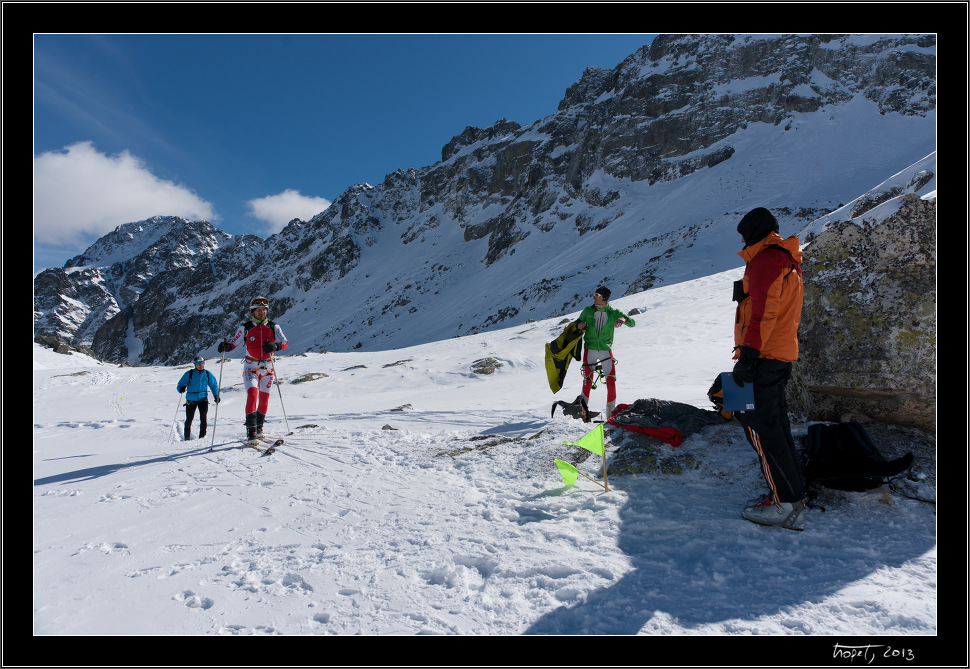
790 515
251 434
758 501
260 417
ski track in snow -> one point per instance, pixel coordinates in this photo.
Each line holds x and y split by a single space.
454 522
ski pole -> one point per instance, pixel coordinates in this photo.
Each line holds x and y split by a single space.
215 419
288 431
175 417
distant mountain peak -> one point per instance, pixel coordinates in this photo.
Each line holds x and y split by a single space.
132 239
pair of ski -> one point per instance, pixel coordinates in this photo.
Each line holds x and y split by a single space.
269 450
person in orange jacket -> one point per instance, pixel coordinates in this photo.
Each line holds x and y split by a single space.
769 310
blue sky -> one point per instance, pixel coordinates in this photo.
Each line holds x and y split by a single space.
250 131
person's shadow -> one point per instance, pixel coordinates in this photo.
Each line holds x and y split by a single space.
697 562
105 470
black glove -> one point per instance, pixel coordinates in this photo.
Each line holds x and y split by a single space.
743 371
268 347
181 389
224 346
216 398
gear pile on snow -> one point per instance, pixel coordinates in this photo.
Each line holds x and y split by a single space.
663 419
843 457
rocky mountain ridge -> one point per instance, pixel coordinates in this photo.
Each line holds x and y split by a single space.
637 179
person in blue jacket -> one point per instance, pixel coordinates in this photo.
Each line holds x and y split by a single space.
196 383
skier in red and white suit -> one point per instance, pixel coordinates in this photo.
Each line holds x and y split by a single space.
263 338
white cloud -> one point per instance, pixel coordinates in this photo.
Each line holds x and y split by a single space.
280 209
79 192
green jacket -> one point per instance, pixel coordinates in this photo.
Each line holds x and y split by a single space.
603 340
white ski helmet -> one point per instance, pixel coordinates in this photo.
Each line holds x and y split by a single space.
257 303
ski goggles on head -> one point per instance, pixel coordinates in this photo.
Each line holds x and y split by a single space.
260 302
198 361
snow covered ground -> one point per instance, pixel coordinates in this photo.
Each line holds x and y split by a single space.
415 496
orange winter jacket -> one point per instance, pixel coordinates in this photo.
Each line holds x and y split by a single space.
770 308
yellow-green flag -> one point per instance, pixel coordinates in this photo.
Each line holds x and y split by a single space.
591 442
569 473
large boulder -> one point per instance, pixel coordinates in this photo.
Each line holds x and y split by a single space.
868 334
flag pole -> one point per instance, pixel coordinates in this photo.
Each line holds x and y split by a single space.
605 483
593 480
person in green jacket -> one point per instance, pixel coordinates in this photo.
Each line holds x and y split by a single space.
598 323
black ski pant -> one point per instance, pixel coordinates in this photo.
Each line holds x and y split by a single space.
190 406
768 430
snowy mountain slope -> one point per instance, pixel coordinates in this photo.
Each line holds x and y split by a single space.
418 497
920 178
637 180
662 233
544 278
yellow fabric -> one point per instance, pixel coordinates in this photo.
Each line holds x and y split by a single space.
567 346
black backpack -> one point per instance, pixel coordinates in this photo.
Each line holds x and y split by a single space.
843 457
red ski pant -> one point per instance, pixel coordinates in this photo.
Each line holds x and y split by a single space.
605 358
257 380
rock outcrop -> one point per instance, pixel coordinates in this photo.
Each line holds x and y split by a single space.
867 342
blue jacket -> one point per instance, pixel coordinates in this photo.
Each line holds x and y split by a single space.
195 385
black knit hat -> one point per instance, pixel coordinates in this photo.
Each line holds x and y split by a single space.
756 225
604 291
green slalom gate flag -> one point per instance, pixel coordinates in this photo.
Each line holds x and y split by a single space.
593 441
569 473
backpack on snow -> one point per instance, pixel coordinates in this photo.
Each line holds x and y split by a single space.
843 457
